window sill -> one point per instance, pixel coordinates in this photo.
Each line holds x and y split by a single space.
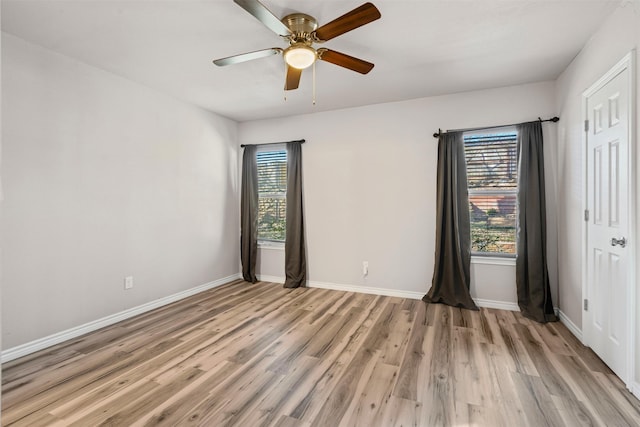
492 260
277 246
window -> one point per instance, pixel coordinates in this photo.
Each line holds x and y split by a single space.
492 175
272 195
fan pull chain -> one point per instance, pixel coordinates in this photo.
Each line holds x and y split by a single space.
284 90
314 83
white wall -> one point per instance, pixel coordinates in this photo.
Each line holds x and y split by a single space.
619 34
105 178
370 185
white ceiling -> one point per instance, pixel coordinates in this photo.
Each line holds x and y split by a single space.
419 47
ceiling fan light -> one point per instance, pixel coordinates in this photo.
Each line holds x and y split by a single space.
300 56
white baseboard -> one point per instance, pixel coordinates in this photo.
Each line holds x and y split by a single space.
59 337
502 305
270 279
367 290
635 389
570 325
349 288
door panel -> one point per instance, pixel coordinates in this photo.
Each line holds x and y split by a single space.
598 315
616 326
614 184
598 185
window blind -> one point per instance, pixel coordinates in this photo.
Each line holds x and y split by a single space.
272 192
492 175
272 172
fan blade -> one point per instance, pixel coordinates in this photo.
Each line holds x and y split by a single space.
243 57
346 61
264 15
293 78
349 21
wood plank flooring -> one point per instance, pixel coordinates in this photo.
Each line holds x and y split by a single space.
260 355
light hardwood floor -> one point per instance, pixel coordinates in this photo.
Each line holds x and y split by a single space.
257 354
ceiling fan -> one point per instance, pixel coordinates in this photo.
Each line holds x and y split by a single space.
302 32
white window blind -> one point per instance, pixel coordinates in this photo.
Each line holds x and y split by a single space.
272 194
492 175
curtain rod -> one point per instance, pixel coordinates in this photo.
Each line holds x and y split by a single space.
301 141
437 134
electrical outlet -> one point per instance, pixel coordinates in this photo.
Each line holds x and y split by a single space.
365 268
128 282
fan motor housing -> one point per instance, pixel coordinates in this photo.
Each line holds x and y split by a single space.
300 24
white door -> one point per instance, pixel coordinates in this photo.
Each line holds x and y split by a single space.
608 253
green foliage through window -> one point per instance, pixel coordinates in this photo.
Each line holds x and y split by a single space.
272 194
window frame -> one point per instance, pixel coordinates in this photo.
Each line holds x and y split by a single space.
501 258
263 242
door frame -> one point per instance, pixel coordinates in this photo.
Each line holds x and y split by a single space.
628 63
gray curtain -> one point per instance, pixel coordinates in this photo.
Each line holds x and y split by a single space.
294 247
249 214
451 277
532 276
